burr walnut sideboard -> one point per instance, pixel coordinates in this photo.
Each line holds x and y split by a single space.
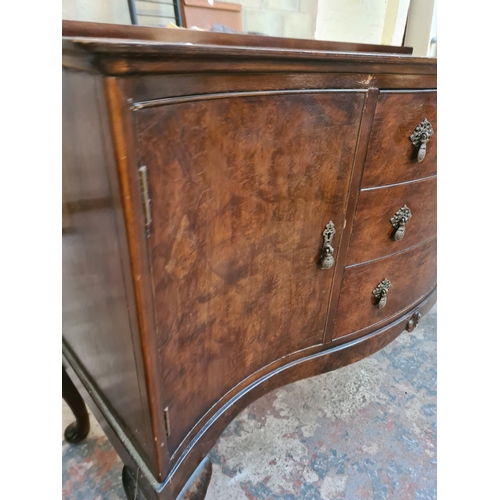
239 212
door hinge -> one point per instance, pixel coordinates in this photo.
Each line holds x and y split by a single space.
146 202
166 416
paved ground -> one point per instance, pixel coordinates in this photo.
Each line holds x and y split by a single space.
366 431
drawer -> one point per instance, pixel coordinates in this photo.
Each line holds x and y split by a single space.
391 156
412 274
374 235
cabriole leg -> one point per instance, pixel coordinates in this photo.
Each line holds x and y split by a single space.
77 431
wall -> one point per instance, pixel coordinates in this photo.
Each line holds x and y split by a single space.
433 34
351 20
395 22
421 26
109 11
284 18
362 21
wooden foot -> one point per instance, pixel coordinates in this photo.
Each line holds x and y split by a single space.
77 431
197 485
130 485
195 488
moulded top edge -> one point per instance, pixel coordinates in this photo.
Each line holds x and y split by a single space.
149 35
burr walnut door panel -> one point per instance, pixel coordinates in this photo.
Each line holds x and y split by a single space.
241 189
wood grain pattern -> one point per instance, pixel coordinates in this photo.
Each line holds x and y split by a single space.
181 53
197 485
120 58
320 361
252 144
138 258
391 156
357 171
240 197
191 52
97 322
150 87
412 274
372 234
327 359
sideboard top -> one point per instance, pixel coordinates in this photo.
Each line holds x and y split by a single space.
120 49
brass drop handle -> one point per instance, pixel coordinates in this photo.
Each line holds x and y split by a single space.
327 259
399 221
420 137
380 293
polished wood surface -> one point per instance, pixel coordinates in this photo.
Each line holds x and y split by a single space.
412 274
98 322
373 234
130 486
289 371
219 52
357 171
78 430
72 29
249 149
197 485
145 88
117 57
391 156
125 156
308 365
238 210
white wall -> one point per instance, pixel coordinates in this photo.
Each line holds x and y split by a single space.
285 18
420 25
395 22
433 34
351 20
100 11
362 21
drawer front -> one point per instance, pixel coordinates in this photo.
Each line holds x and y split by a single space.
381 225
391 156
412 274
241 190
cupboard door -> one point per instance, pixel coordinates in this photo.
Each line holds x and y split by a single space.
241 189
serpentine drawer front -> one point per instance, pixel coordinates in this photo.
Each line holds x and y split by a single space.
241 212
411 275
405 124
391 219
